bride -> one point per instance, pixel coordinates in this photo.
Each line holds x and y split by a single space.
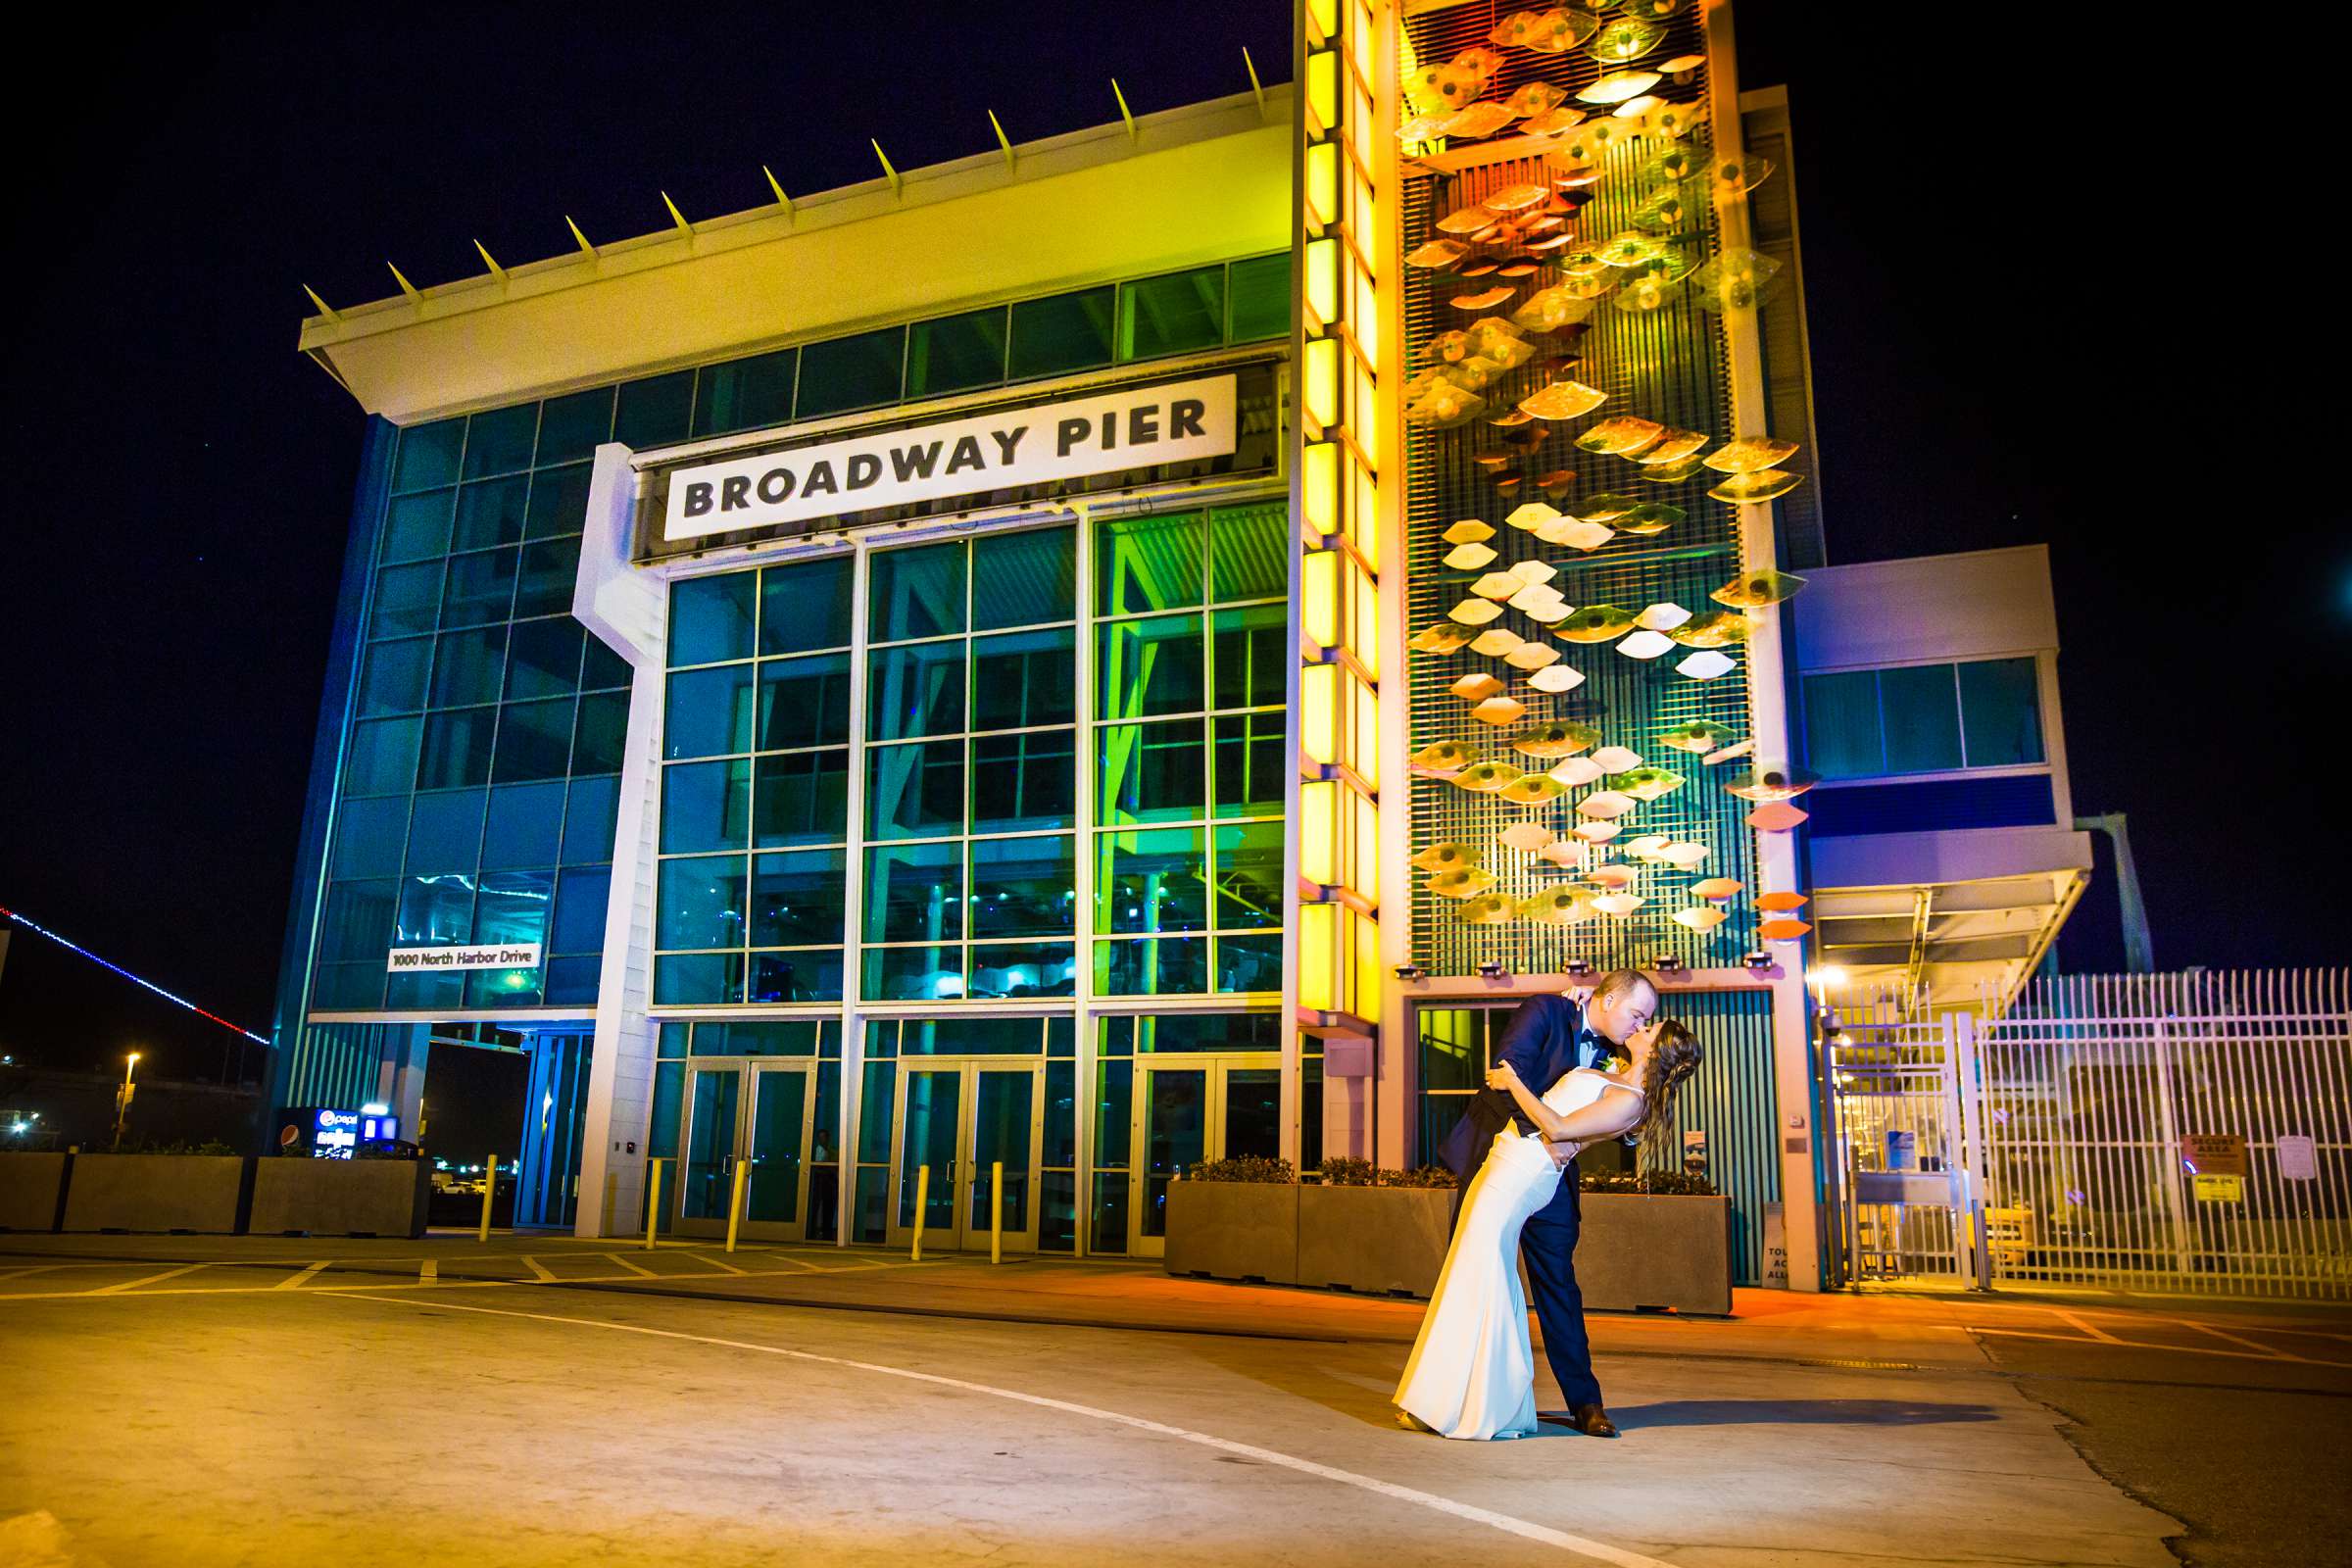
1473 1372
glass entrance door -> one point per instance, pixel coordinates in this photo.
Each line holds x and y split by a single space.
1188 1109
757 1115
960 1120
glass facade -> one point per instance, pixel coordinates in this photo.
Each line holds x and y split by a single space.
955 799
480 769
1923 719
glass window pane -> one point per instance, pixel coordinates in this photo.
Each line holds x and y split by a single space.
804 702
1023 782
416 527
1251 652
551 568
1920 707
543 658
913 974
428 455
699 903
745 393
797 975
914 893
513 906
1024 887
915 593
572 982
382 760
1250 553
558 502
914 791
591 816
710 618
370 836
1158 881
573 427
525 826
956 353
1149 562
1024 679
1173 315
445 832
580 902
796 898
705 805
805 606
1841 724
917 690
1061 333
1023 970
1248 876
480 588
435 910
801 799
603 734
1154 967
1024 579
1249 763
457 749
709 713
603 669
851 373
407 600
1151 774
1148 667
1260 307
1250 963
2000 710
491 513
358 921
501 440
653 411
689 979
469 666
394 679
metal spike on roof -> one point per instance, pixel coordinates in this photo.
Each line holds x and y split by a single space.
1003 140
897 182
676 217
1257 88
406 287
324 309
491 261
778 186
578 235
1126 112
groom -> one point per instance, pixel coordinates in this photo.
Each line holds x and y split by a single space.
1546 1038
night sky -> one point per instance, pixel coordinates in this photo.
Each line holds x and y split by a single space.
2041 310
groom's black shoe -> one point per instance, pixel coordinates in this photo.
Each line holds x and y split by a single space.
1593 1421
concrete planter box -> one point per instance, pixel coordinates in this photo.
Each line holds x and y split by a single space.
1639 1251
1234 1230
155 1193
340 1196
1379 1239
28 1188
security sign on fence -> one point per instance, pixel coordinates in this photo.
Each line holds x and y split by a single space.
2159 1131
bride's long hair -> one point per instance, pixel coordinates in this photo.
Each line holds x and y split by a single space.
1674 1056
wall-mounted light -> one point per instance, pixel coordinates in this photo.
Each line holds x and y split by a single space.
1491 969
1578 970
1758 962
1666 963
1411 971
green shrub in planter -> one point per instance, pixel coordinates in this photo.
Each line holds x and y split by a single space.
1246 1168
1425 1176
1654 1183
1341 1170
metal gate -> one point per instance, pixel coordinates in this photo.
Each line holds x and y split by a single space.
2181 1133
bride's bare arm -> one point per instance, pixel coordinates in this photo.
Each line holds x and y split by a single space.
1606 1117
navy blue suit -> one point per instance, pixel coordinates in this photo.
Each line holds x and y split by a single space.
1545 1039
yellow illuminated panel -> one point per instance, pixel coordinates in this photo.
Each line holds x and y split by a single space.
1363 633
1322 378
1323 183
1319 598
1319 711
1323 279
1318 956
1364 848
1364 744
1325 15
1318 832
1365 1003
1323 88
1319 484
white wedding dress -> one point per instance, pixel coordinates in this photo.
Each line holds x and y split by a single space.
1473 1369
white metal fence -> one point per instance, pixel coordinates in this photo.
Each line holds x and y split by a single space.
2179 1132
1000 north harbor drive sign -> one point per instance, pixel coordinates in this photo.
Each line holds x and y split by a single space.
1171 422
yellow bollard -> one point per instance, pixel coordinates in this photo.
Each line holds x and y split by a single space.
742 1171
653 1201
996 1211
489 1191
611 1203
923 1201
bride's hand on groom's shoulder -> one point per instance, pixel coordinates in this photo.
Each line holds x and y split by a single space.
1502 1076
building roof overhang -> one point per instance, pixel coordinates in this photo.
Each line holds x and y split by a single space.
1200 183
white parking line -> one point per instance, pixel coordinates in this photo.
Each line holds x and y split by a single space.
294 1281
538 1269
132 1285
641 1273
1523 1528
